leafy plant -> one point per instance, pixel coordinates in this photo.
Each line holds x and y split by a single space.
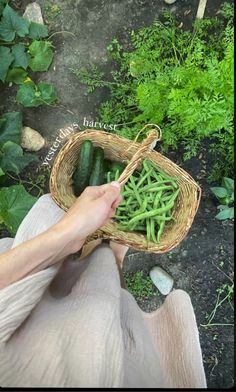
224 292
32 95
225 195
180 80
139 286
22 48
15 201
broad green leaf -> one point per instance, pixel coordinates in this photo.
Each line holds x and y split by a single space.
228 183
12 24
26 95
42 55
219 192
15 203
6 58
13 159
48 93
222 207
2 5
21 58
226 214
16 75
31 95
1 172
37 31
10 127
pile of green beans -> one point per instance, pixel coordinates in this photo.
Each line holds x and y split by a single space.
148 200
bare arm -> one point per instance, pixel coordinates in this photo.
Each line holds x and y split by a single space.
90 211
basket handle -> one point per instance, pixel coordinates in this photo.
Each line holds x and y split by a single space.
148 144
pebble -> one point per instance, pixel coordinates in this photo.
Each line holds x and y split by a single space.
162 280
33 13
184 253
31 140
169 1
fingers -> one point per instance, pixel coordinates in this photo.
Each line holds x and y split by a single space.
116 202
111 193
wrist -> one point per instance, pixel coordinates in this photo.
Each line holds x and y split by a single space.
66 237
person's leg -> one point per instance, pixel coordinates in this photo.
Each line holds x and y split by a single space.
175 335
6 244
119 252
44 214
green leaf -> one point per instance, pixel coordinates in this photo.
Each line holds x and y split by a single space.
31 95
2 5
48 93
37 31
13 159
42 55
228 183
21 58
219 192
6 60
16 75
26 95
1 172
12 24
226 214
10 127
15 203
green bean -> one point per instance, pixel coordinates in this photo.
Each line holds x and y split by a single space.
109 176
146 166
150 214
143 178
157 189
152 229
140 228
160 230
157 199
173 197
148 230
117 175
160 218
136 191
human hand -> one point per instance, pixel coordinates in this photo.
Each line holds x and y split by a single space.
90 211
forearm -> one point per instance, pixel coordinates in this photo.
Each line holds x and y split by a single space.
34 255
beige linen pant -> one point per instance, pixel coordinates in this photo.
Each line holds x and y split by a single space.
72 325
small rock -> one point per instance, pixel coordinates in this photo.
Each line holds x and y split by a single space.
163 281
184 253
31 140
169 1
33 13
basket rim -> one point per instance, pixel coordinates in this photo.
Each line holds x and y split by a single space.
158 248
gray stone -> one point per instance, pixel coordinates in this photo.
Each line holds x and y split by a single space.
162 280
184 253
169 1
31 140
33 13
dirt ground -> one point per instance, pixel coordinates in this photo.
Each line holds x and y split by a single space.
203 262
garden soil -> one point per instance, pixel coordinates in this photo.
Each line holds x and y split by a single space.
203 262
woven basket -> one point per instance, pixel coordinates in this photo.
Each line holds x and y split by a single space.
121 149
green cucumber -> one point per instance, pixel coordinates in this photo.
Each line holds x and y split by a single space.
97 174
84 167
114 166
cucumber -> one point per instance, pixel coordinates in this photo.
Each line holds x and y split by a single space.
97 174
84 167
114 166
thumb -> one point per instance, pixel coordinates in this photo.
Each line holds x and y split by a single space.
111 192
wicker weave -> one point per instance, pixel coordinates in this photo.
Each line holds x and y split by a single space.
121 149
